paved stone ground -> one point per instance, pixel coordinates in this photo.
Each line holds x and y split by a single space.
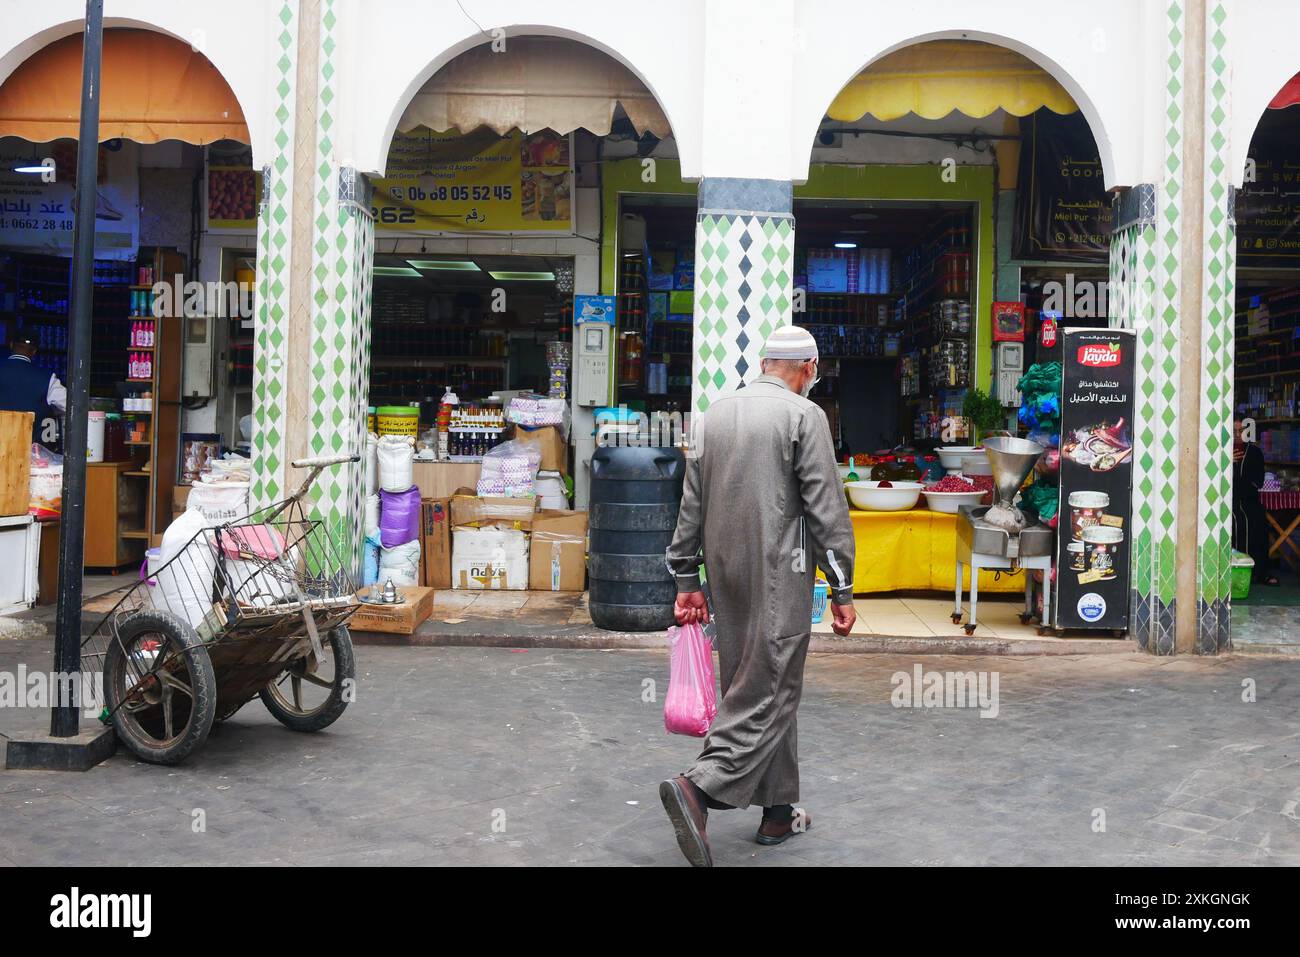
559 746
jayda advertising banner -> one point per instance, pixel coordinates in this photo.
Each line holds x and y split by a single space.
1094 536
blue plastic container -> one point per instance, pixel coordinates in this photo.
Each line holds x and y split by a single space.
821 595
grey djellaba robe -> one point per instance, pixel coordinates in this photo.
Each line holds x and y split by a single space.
763 504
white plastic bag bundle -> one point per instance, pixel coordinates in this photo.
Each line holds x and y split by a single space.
231 467
251 557
185 580
220 502
400 563
372 464
372 517
509 469
533 411
395 455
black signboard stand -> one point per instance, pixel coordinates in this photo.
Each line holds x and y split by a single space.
1095 536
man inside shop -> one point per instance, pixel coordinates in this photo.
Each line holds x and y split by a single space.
763 505
26 388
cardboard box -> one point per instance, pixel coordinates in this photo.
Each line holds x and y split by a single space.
555 452
491 557
482 510
442 479
557 551
435 539
400 619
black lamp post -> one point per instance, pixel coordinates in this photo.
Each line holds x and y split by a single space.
65 747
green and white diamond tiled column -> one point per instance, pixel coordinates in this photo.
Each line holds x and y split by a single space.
1154 592
274 260
342 252
744 273
1214 516
1135 275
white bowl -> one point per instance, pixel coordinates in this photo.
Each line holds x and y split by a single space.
869 495
951 455
950 501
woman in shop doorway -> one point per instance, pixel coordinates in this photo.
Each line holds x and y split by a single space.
1249 527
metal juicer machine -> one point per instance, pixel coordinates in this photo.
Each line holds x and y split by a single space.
1004 546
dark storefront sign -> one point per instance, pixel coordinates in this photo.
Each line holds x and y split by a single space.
1094 535
1268 205
1062 210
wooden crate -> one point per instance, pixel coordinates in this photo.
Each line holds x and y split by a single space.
15 462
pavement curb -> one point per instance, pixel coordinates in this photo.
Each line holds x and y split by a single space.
508 634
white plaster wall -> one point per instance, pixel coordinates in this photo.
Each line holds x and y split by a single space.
238 36
1262 55
745 83
392 47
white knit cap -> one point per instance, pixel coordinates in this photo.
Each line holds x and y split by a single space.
790 342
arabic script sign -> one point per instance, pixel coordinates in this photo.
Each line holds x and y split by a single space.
1062 210
446 182
1268 205
36 209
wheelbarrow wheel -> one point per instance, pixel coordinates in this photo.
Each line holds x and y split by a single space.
159 687
310 696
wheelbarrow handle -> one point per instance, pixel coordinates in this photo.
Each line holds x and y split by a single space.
322 461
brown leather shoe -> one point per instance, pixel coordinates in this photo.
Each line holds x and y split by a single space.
771 833
688 816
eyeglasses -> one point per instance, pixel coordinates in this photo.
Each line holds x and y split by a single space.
816 377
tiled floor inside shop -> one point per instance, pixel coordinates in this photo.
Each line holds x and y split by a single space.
1270 616
910 617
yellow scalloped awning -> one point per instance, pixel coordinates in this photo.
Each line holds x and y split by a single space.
155 88
934 78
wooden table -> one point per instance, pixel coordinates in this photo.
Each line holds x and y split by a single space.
1279 508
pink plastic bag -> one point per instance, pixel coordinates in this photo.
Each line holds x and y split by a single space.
692 700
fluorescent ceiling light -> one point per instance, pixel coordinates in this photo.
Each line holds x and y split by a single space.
846 245
459 265
32 169
544 276
396 271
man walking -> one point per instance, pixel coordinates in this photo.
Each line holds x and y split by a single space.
763 505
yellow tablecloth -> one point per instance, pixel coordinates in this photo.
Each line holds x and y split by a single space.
915 550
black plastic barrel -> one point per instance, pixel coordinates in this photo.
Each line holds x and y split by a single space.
635 494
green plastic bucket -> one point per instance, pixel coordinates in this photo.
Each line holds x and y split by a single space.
1243 570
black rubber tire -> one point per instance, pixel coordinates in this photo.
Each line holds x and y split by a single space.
325 714
203 683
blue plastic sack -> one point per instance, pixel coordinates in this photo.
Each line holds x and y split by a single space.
369 562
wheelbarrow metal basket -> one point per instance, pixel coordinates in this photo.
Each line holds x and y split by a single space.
258 607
